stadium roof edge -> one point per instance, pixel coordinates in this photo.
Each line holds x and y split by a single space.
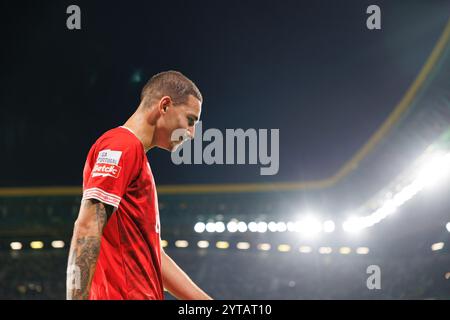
351 164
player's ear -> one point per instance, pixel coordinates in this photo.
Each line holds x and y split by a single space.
164 104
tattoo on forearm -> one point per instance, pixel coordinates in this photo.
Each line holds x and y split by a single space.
84 252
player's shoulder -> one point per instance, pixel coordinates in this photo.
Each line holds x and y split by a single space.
119 138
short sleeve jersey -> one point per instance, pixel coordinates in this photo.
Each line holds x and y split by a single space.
118 173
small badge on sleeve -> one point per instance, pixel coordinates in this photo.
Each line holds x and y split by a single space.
107 164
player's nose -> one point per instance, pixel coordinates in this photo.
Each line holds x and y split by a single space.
191 132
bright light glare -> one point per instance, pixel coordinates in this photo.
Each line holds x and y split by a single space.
253 226
272 226
243 245
362 250
242 226
222 244
437 246
264 246
325 250
232 226
220 226
262 226
203 244
291 226
305 249
210 227
58 244
284 248
435 169
352 225
310 226
181 244
328 226
281 226
199 227
36 244
16 245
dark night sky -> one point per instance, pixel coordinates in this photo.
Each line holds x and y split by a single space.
311 69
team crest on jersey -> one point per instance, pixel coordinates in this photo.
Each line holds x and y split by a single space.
107 164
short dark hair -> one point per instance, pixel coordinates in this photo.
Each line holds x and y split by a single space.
170 83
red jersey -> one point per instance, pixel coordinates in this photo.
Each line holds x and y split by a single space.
117 173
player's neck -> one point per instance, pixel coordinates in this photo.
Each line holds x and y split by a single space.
144 132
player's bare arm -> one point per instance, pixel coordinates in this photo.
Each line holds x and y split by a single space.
85 247
178 283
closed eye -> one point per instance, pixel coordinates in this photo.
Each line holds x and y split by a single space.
191 121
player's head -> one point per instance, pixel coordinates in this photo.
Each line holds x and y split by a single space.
177 102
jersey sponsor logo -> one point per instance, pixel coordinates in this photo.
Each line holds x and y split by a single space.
106 170
107 164
109 157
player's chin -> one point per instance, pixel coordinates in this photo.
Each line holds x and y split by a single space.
173 146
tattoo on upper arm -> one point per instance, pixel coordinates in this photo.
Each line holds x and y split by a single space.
102 215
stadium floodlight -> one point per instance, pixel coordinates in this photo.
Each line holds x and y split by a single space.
36 244
232 226
253 226
281 226
242 226
297 226
16 245
199 227
164 243
328 226
437 246
181 244
262 226
405 194
447 226
220 226
362 250
264 246
211 227
435 169
272 226
222 245
354 224
284 248
310 226
243 245
345 250
291 226
305 249
203 244
58 244
325 250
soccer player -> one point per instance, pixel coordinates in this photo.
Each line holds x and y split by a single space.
115 251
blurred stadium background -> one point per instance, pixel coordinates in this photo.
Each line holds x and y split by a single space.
389 205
